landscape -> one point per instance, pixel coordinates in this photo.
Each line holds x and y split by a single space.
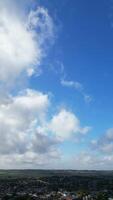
56 99
56 185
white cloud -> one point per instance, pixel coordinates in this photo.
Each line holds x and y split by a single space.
21 137
17 118
98 157
65 124
90 160
28 135
41 20
22 41
29 160
78 86
105 143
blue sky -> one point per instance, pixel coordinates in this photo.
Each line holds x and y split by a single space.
56 84
84 47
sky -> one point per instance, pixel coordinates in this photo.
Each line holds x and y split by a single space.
56 65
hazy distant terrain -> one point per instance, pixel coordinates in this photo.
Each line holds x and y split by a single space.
47 173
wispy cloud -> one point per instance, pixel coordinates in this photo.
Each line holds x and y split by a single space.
59 69
78 87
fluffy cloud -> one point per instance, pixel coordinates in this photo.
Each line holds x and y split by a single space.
18 119
20 134
27 135
65 124
22 41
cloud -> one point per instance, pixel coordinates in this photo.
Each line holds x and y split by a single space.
18 118
42 143
40 21
78 87
28 134
86 160
98 156
22 41
92 161
29 160
105 143
65 124
21 136
87 98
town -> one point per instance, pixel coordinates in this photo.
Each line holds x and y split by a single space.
62 186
